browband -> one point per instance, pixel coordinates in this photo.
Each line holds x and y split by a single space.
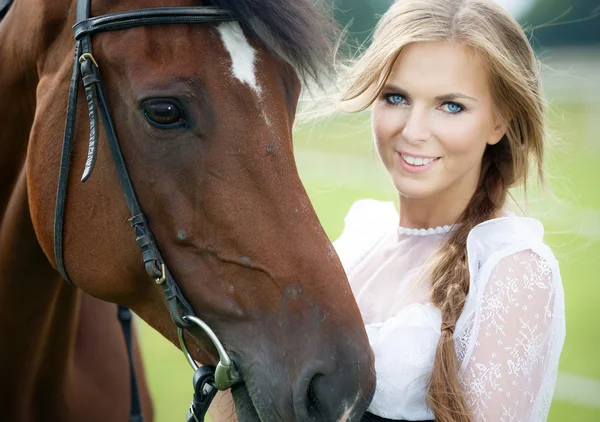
150 16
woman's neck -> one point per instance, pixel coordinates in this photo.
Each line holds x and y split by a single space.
443 208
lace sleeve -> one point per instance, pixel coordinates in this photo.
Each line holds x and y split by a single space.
516 339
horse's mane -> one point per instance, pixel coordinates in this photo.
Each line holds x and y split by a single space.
300 31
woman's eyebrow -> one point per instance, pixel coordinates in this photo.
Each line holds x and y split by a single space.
453 96
396 89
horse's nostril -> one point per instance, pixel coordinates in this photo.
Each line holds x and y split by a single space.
312 400
331 391
321 397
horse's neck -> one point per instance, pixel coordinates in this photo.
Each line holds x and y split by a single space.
38 312
44 330
60 348
62 354
27 35
29 287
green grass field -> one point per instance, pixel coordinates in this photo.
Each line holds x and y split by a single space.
338 166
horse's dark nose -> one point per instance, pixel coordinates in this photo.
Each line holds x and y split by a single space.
328 393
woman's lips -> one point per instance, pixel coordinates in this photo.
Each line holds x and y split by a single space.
416 164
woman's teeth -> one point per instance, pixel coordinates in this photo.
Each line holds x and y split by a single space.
417 161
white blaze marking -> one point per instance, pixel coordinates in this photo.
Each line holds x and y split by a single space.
243 56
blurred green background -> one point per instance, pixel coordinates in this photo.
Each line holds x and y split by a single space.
338 165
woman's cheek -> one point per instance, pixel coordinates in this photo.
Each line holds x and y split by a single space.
460 139
385 128
383 149
383 125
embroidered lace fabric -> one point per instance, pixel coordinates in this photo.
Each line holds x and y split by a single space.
508 338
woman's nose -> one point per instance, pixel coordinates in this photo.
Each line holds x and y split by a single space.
417 127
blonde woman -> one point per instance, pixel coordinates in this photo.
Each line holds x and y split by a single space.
462 299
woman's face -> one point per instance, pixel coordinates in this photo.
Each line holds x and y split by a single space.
433 120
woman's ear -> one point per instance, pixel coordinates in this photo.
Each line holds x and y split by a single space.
498 132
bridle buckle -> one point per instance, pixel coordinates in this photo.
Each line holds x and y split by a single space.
86 56
163 277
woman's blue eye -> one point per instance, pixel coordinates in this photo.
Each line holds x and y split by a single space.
453 108
394 99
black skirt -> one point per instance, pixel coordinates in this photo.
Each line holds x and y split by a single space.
369 417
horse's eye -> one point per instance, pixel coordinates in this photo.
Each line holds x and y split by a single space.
165 114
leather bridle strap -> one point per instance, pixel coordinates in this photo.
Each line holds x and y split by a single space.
65 165
135 406
150 16
153 261
154 264
86 67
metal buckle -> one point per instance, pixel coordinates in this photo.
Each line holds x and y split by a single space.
163 277
226 374
193 413
86 56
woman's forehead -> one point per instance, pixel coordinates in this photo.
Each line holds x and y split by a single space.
439 68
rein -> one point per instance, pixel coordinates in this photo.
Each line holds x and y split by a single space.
207 379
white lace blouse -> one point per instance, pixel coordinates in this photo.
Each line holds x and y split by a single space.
508 338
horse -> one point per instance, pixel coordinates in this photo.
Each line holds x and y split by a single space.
197 111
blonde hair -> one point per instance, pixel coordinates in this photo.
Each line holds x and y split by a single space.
500 44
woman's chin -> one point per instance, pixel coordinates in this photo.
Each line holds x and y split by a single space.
412 189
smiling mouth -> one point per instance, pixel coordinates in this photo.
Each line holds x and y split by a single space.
418 161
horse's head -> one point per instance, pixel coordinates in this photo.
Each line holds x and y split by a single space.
204 114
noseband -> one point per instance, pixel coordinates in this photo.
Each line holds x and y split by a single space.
207 379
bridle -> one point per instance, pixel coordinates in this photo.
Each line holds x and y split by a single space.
207 379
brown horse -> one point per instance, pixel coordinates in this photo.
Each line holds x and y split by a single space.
204 116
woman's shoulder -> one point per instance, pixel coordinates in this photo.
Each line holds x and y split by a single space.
508 241
509 263
506 235
365 224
